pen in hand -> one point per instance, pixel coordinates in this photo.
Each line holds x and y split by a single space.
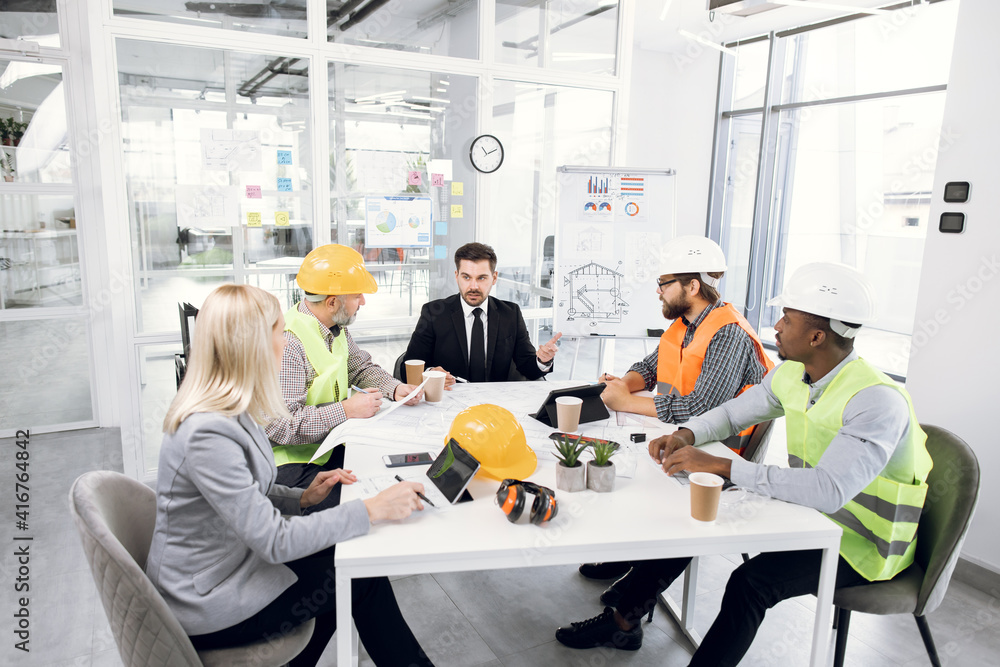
458 379
419 495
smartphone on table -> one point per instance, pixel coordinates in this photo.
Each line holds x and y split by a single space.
401 460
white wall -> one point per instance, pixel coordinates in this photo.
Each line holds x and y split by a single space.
954 365
670 124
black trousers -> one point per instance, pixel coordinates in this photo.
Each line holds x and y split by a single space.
300 476
381 626
753 588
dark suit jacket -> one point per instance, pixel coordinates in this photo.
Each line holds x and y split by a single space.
440 340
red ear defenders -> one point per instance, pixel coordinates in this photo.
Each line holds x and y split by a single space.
510 497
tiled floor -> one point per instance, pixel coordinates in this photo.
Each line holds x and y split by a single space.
491 618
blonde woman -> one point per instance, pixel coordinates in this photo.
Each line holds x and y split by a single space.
225 555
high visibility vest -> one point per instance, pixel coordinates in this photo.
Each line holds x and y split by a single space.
880 523
678 367
330 384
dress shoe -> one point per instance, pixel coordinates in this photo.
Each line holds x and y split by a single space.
601 630
604 570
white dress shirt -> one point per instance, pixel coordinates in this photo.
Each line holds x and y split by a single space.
470 319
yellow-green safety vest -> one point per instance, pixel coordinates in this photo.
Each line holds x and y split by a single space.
330 384
880 523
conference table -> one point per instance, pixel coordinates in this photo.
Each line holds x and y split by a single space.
646 516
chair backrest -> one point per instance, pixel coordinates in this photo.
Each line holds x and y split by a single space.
114 515
953 490
756 447
397 369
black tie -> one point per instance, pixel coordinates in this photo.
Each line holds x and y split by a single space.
477 350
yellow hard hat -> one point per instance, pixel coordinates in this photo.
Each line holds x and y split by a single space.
335 269
493 435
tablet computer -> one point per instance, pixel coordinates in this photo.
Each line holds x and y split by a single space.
452 471
592 409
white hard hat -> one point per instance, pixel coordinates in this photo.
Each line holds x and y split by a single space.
830 290
694 254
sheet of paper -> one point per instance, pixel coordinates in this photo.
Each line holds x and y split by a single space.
370 487
439 166
339 434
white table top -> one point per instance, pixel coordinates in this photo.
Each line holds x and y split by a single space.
646 516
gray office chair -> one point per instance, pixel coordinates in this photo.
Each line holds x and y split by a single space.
951 500
114 515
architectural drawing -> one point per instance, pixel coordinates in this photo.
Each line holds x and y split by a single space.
594 292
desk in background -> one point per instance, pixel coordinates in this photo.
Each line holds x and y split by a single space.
646 516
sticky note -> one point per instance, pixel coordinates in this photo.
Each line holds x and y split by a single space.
284 185
253 219
253 192
414 178
457 188
284 157
456 211
441 228
437 180
440 252
281 218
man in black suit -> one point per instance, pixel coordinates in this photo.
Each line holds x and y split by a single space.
474 336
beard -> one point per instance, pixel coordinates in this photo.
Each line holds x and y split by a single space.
673 310
473 297
342 319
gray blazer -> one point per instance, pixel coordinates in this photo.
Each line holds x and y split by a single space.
221 537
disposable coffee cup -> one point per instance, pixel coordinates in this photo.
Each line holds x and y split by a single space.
434 389
568 413
414 370
705 491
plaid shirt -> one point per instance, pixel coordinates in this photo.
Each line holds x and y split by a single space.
730 364
310 424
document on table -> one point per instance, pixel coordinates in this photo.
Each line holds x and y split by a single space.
369 487
339 434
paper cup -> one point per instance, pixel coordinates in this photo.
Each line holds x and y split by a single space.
414 370
434 389
705 491
568 413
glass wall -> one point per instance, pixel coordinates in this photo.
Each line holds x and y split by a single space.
844 172
45 317
568 35
218 169
523 193
438 27
269 18
36 21
397 143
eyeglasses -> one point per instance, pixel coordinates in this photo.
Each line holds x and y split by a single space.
660 286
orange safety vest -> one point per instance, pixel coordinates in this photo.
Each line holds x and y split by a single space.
678 367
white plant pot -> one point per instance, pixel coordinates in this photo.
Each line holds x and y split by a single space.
601 478
571 479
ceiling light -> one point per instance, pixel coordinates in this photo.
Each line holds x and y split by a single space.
847 9
666 8
430 99
707 42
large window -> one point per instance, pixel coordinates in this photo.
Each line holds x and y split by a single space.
831 158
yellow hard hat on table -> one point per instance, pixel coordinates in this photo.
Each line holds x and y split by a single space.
494 436
335 269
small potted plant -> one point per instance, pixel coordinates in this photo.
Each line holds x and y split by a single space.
601 471
571 475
